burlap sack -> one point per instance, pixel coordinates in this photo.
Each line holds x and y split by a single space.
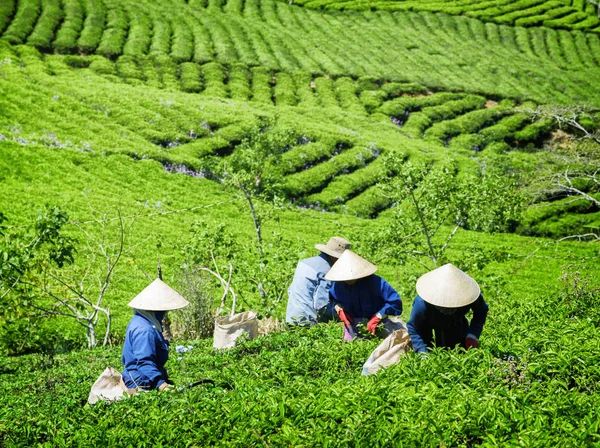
229 328
388 352
108 387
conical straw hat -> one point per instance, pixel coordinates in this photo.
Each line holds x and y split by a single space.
350 267
158 296
335 246
448 287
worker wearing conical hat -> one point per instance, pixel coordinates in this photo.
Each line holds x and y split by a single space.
308 295
145 350
445 296
360 296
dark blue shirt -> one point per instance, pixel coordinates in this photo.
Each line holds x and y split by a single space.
367 297
428 326
145 353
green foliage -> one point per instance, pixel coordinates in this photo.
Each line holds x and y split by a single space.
43 33
115 32
191 77
67 34
25 255
95 17
278 385
433 202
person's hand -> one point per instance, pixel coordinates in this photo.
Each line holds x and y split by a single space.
372 324
344 316
471 342
166 387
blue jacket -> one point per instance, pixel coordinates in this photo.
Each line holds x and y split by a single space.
367 297
309 291
428 326
145 353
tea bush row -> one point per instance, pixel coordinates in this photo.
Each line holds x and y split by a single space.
43 33
554 14
69 31
347 186
177 128
93 27
23 22
317 177
525 385
418 122
431 47
115 32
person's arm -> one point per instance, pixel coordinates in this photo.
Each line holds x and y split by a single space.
145 351
416 325
393 302
480 311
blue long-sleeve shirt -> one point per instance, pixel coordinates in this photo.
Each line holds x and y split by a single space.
309 291
428 326
145 353
367 297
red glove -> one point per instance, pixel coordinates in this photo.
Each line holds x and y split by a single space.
471 342
372 324
344 317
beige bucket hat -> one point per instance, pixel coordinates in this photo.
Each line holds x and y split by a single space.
335 246
350 266
158 296
448 287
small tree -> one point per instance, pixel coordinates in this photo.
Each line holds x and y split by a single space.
579 160
431 203
25 252
251 171
42 275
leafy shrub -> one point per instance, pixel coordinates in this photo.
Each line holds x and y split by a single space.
66 37
115 32
6 11
214 80
140 30
93 27
197 320
285 90
261 85
43 33
239 82
23 21
191 77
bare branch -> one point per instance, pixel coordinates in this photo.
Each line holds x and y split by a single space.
584 237
425 229
450 237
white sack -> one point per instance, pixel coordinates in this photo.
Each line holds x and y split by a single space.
388 352
109 387
229 328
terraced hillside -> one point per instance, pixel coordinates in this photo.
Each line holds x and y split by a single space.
561 14
437 50
190 116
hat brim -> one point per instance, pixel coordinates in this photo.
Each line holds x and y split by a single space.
332 253
448 287
158 296
350 266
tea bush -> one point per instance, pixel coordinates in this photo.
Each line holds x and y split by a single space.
532 382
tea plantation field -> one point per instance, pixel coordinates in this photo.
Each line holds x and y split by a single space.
138 111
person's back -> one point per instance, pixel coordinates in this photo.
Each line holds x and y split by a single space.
145 353
308 295
309 291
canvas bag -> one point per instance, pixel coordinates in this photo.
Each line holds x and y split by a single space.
388 352
229 328
108 387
